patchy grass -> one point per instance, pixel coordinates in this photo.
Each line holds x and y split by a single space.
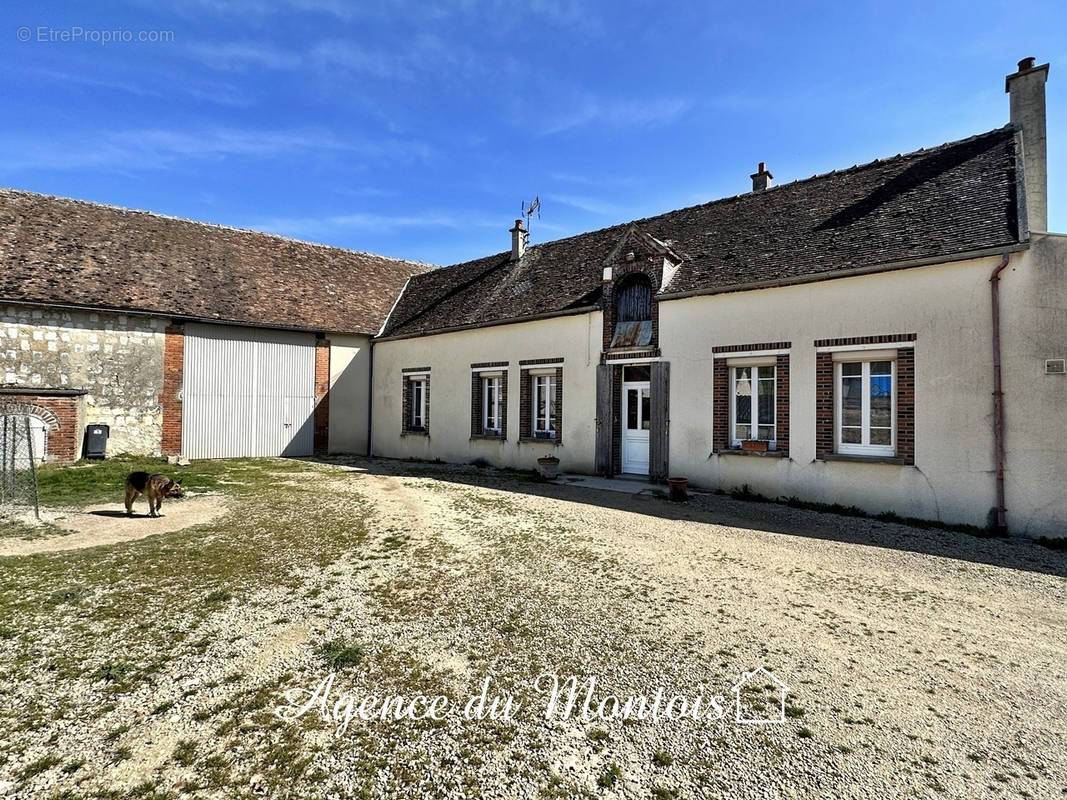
662 758
610 776
339 654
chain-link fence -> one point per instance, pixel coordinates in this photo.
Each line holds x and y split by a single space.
18 463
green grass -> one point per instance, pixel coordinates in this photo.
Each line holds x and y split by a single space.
35 768
610 776
339 654
662 759
91 482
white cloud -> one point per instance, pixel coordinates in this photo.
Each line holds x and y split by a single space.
617 113
245 54
589 204
162 148
333 224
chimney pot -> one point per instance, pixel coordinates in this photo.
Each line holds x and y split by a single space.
1027 63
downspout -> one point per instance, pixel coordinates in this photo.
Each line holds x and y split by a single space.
370 399
998 398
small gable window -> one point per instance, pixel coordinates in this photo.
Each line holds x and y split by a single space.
633 312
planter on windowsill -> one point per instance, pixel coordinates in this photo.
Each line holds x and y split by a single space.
548 467
754 445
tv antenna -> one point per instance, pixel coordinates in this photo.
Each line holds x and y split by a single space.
528 210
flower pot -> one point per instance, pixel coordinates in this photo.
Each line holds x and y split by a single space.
754 445
548 467
679 488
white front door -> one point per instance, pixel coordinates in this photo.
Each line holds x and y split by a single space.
636 411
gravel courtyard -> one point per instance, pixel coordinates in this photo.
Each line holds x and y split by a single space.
919 663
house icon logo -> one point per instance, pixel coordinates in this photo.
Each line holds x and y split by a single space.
751 703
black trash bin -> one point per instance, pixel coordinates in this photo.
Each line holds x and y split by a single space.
95 441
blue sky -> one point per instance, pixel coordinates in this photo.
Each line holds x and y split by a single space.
416 129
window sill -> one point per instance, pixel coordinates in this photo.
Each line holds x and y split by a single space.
423 432
491 437
900 462
535 440
755 453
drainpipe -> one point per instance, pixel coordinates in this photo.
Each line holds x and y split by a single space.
998 397
370 398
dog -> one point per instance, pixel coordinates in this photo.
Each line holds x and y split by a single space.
153 487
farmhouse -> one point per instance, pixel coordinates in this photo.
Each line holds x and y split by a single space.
889 336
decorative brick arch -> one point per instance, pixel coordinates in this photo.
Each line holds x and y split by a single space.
61 412
32 409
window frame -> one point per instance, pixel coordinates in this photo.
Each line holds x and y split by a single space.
755 363
864 447
417 420
548 431
497 381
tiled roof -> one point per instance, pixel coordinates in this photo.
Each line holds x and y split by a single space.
956 198
56 250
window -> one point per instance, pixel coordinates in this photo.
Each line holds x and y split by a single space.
634 300
489 400
418 404
544 406
866 406
416 411
491 425
633 312
753 398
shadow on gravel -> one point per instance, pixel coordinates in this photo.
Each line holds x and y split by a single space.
1018 552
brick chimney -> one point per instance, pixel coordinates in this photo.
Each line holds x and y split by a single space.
518 241
761 179
1026 88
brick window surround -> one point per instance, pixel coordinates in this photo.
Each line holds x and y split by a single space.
526 382
905 409
477 427
410 375
720 422
620 272
61 412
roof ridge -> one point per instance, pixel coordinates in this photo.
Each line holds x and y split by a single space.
215 225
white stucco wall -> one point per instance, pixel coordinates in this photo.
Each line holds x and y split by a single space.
946 306
349 392
576 339
1034 328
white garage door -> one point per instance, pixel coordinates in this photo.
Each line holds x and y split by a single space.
247 392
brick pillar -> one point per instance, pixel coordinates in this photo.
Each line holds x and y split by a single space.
720 406
906 404
170 400
824 404
782 402
322 396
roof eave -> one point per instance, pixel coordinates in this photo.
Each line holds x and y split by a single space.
142 312
570 312
872 269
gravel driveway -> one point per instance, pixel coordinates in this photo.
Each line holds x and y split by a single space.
919 663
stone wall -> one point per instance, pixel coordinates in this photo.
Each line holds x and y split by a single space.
117 359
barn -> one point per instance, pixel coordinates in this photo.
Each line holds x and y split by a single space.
184 337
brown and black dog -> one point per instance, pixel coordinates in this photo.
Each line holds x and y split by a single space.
153 487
